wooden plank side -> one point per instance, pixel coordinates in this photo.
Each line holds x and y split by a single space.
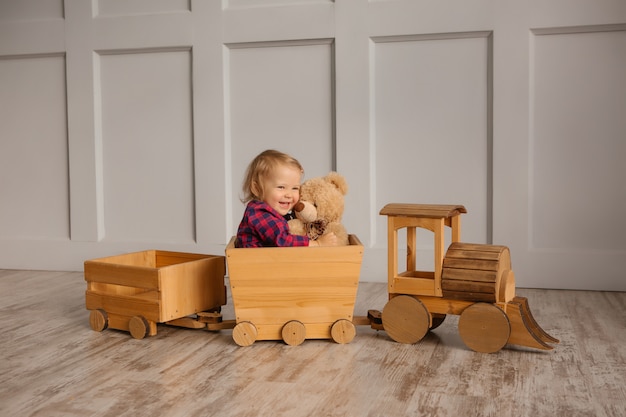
445 306
475 254
278 316
312 304
143 258
468 286
118 322
127 275
295 285
422 210
114 289
289 297
313 331
462 263
284 282
167 258
412 286
477 247
470 296
417 274
295 255
124 305
293 263
287 302
325 271
192 287
469 275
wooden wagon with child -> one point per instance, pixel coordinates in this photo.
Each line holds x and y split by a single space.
295 293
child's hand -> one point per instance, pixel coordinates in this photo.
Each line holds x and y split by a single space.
329 239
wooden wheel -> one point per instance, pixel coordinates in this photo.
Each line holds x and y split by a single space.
98 320
437 319
138 327
294 332
406 319
484 327
245 333
343 331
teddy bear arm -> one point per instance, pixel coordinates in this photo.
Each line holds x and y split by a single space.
296 227
339 230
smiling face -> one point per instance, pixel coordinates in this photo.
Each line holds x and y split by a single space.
281 189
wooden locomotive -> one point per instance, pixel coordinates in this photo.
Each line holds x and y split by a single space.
474 281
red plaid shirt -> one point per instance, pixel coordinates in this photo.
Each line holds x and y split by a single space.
263 226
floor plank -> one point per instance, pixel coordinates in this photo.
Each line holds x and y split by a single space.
53 364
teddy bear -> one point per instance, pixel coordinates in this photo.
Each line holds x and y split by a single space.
320 208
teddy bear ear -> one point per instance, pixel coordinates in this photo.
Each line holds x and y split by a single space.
338 181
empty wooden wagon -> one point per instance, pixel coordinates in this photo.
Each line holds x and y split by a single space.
294 293
135 291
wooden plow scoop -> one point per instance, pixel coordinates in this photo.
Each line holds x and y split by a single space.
525 331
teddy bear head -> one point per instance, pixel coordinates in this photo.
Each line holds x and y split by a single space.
322 199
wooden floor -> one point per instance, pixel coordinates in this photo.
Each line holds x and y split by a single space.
53 364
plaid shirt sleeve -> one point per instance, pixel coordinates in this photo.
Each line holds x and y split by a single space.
263 226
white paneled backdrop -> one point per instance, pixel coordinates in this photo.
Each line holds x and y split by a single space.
127 124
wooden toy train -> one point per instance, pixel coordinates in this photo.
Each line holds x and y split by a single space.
294 294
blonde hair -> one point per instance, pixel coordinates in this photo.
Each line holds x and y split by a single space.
261 168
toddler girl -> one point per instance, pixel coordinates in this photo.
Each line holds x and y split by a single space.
271 189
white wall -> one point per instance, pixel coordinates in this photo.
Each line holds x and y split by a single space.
127 125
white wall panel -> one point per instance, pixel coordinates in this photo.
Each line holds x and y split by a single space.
579 140
432 132
34 178
23 10
148 147
284 103
554 116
